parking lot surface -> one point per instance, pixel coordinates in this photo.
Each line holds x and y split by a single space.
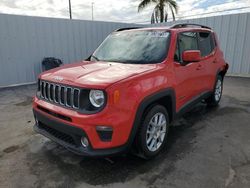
207 147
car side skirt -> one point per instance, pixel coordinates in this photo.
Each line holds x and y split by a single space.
190 104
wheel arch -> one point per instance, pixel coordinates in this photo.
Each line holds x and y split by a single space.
222 71
164 97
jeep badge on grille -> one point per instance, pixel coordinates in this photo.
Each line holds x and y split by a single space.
58 78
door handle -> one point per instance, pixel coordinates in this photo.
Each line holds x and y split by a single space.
199 67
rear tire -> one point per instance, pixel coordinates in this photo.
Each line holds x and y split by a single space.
214 99
152 134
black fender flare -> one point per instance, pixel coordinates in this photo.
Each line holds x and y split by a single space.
169 92
222 69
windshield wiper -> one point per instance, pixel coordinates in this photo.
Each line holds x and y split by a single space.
96 58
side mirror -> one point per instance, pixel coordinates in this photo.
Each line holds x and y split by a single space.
191 56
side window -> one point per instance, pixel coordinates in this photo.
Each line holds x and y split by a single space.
206 43
186 41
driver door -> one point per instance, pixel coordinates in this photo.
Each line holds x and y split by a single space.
187 75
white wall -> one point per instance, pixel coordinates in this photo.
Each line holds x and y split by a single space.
25 41
234 37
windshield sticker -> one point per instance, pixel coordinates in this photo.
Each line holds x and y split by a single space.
159 34
155 34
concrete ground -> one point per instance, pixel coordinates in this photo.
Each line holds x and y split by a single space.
206 148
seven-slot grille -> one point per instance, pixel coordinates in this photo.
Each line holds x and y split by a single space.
60 94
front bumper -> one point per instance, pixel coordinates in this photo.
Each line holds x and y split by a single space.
69 137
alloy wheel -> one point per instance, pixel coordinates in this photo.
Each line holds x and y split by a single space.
156 132
218 90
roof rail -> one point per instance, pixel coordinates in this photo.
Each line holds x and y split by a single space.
127 28
188 24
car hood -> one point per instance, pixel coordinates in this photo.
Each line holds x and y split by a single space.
95 74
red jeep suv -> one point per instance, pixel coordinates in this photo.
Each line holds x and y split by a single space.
127 93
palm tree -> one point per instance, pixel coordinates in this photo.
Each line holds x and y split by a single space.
160 13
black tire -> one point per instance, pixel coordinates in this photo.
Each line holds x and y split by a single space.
214 100
141 138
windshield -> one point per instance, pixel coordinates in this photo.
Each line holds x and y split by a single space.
142 47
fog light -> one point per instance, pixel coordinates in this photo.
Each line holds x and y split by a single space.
84 141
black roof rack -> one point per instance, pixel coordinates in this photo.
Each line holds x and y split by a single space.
127 28
188 24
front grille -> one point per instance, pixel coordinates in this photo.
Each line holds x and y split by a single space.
58 134
60 94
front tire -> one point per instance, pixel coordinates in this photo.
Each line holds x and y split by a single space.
152 134
214 99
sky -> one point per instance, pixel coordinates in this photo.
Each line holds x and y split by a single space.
118 10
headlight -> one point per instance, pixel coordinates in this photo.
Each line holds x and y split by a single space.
96 98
